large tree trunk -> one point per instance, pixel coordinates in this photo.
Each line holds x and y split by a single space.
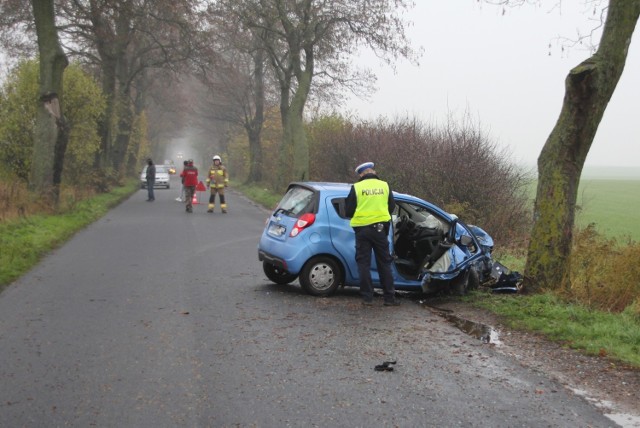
295 148
254 130
121 145
51 135
255 155
139 125
112 37
105 126
589 87
125 108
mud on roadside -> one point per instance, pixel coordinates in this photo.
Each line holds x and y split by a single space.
611 385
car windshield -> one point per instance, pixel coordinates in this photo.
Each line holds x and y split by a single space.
295 201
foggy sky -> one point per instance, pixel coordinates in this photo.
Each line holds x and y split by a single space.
506 71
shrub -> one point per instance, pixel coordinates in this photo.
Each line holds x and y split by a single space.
456 167
604 274
15 200
83 106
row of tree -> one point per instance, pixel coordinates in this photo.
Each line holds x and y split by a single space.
245 54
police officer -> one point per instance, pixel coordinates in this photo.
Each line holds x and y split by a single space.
369 205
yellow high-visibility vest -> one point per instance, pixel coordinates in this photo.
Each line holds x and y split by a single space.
373 202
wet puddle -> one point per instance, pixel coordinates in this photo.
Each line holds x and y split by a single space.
484 333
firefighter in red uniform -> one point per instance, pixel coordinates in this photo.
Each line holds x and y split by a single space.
217 180
190 177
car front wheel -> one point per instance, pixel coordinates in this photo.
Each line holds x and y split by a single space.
321 276
460 285
473 282
277 275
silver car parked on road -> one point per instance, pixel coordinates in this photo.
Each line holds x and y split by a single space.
162 177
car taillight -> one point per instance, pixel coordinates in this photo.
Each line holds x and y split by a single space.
303 222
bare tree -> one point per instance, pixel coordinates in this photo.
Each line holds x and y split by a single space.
122 39
236 74
311 39
588 89
51 135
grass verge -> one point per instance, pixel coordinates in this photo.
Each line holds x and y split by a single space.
25 241
614 335
259 194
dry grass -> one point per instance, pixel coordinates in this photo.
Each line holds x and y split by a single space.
604 273
16 201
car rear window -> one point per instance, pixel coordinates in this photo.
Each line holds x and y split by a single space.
297 201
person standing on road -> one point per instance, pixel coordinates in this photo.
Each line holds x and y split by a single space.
369 205
217 180
190 180
151 180
181 198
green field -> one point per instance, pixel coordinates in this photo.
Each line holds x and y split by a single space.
612 204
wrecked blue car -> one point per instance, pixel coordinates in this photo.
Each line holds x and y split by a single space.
308 237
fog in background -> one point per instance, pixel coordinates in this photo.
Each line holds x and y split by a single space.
507 72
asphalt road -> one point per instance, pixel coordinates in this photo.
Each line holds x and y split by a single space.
153 317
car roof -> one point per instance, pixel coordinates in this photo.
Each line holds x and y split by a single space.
338 187
343 190
323 185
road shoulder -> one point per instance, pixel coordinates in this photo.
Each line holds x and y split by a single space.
611 385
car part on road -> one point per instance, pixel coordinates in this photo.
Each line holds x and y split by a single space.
385 367
504 280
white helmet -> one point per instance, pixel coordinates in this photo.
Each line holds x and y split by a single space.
216 157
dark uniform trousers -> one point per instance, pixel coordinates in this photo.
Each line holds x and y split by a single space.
372 238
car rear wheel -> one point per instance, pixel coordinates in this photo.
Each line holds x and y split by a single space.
321 276
277 275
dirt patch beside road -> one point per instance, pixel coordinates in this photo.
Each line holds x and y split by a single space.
613 386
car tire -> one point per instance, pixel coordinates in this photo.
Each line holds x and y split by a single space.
473 282
168 186
277 275
321 276
460 285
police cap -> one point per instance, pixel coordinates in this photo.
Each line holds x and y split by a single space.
362 167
